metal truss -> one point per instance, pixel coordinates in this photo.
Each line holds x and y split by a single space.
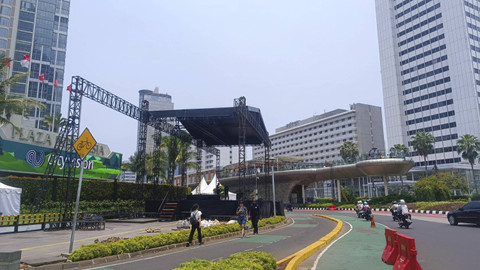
69 134
241 111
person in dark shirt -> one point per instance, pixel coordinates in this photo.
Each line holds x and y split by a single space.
255 215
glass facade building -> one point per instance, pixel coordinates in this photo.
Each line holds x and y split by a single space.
38 28
429 56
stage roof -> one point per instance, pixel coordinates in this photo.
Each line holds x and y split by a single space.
219 126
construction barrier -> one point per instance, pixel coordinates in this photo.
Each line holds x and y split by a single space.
332 207
407 254
390 253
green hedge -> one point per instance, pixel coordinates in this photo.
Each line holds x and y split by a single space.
89 207
92 190
244 260
142 242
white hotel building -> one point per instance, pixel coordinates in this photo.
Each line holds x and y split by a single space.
430 64
318 139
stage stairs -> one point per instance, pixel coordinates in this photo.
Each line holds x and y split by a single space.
169 210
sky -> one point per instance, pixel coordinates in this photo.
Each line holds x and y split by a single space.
291 59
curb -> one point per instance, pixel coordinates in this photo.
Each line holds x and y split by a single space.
141 253
380 210
298 257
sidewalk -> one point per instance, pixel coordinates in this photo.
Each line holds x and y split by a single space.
361 248
39 247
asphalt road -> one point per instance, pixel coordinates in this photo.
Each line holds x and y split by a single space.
280 242
439 245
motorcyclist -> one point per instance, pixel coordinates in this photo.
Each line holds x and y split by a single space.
394 209
403 207
366 209
359 207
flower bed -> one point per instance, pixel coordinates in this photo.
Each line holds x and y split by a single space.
243 260
138 243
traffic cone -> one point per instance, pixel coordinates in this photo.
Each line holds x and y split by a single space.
372 223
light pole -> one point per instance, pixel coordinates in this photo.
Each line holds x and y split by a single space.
273 190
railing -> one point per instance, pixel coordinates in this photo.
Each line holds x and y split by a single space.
160 208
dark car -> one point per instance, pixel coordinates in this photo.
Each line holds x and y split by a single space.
469 213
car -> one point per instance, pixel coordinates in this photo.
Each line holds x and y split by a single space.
469 213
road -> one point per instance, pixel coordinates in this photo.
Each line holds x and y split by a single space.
280 242
439 245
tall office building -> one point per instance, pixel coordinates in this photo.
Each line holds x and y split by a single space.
37 28
430 64
156 102
318 139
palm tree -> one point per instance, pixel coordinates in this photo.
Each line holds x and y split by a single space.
171 146
184 160
136 164
10 104
349 151
56 121
398 148
422 143
468 145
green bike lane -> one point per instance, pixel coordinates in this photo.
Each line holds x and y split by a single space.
358 247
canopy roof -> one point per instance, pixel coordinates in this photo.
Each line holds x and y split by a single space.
219 126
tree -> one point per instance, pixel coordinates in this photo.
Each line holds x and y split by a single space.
422 143
468 145
185 157
396 150
431 189
172 147
349 151
454 182
10 104
56 121
136 164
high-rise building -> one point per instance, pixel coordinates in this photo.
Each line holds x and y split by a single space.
37 28
318 139
430 65
156 102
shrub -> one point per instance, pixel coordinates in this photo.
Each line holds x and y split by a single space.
431 189
244 260
142 242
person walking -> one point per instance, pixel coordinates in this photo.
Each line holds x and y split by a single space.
255 215
196 222
242 213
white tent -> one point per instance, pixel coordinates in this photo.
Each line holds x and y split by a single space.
210 188
9 200
201 187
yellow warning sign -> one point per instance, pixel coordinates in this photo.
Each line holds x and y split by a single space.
85 143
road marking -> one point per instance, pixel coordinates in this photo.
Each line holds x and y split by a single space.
90 238
249 249
314 267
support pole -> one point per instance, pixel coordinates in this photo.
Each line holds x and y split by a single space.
273 192
72 238
385 186
339 196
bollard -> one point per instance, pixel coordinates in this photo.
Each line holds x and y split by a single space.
407 254
10 260
372 223
390 253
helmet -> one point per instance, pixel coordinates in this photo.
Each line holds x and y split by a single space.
359 202
394 202
365 203
402 201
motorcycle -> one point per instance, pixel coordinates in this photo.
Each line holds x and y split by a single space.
405 221
394 215
368 215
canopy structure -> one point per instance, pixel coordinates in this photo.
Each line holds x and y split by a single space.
200 189
9 200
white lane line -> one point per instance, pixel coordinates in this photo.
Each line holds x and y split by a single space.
179 251
249 249
314 267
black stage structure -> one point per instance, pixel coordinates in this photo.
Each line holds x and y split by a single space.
239 125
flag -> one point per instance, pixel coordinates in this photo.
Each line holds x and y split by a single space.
7 60
25 62
69 88
41 77
55 83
